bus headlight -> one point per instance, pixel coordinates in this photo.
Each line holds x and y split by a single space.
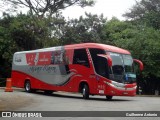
120 86
115 84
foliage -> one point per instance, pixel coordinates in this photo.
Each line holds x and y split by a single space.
84 29
146 12
6 47
42 8
116 30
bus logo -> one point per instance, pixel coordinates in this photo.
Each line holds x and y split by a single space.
6 114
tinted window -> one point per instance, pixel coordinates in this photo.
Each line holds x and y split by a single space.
100 63
80 57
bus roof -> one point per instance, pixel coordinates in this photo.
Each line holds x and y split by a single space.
98 45
81 45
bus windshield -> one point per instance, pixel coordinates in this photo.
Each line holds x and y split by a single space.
122 68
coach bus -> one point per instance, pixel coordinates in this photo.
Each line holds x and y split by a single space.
87 68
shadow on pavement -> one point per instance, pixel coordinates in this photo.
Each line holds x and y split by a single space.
79 96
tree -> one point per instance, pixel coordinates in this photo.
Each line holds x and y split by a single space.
115 30
88 29
29 33
7 46
41 8
146 12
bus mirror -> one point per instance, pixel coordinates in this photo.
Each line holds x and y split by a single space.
141 67
109 59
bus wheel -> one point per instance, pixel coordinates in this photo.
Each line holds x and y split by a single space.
85 91
27 86
108 97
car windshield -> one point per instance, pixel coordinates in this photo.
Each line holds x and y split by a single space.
122 68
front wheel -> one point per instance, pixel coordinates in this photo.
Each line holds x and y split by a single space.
108 97
85 91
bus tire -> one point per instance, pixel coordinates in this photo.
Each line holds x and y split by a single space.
27 86
85 91
109 98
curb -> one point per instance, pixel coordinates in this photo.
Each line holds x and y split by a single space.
14 88
147 96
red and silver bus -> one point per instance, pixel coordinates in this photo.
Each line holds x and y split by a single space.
87 68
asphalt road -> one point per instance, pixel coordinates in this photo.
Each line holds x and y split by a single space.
60 101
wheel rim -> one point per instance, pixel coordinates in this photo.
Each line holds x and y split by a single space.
84 91
27 86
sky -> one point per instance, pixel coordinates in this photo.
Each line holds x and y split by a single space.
109 8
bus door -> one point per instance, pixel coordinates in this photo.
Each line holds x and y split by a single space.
101 70
81 65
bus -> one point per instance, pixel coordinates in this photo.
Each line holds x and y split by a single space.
86 68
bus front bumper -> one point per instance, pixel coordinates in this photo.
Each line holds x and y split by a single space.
120 89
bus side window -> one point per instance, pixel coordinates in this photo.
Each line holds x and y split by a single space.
80 57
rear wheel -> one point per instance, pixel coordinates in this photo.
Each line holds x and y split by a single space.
85 91
108 97
27 86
